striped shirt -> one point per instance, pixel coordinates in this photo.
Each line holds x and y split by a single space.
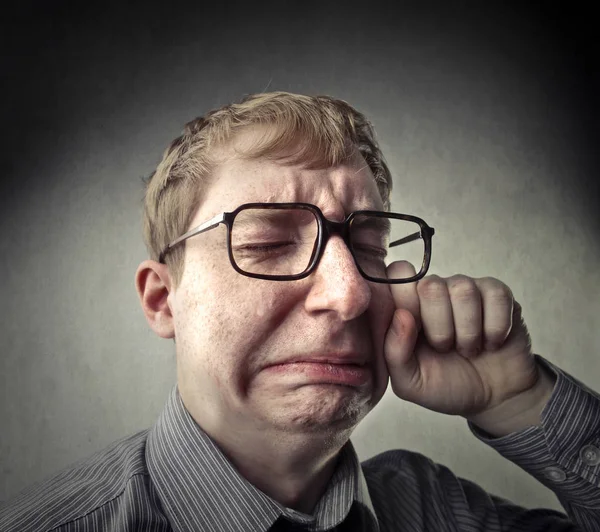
173 477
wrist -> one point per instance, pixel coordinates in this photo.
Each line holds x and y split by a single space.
519 412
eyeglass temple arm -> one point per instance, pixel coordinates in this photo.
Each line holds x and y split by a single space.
406 239
412 238
209 224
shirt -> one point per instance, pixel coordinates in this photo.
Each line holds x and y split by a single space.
173 477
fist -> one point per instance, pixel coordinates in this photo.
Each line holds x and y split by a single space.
457 345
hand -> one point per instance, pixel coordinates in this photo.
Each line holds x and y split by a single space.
459 345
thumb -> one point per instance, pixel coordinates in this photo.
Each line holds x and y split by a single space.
398 349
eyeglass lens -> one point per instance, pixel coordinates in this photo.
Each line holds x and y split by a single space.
282 242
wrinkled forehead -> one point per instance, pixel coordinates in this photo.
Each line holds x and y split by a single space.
240 177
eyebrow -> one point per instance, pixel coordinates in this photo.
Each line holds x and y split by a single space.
274 216
381 224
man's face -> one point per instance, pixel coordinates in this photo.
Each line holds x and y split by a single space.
231 328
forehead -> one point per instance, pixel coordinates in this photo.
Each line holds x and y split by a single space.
337 191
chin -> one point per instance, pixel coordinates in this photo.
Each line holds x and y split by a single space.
326 413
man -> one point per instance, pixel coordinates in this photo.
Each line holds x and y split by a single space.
289 324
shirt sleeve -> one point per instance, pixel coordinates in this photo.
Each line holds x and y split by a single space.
563 452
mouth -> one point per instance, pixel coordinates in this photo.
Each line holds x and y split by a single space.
323 372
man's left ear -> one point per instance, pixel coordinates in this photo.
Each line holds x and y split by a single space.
153 285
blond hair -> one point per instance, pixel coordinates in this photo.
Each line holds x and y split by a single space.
321 131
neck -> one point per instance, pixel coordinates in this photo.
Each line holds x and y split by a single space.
292 472
293 468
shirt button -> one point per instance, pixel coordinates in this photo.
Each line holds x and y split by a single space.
555 474
590 455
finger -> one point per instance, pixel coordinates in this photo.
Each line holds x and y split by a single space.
497 303
436 312
518 324
405 295
399 347
466 309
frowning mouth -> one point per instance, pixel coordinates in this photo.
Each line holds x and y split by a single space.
323 372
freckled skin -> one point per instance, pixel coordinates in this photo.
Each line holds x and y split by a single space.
282 433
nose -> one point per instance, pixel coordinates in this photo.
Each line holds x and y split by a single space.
337 284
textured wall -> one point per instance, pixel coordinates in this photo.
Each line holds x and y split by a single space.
487 120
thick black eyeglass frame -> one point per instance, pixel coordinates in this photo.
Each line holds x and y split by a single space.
326 228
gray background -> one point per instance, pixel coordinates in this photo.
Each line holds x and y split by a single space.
486 116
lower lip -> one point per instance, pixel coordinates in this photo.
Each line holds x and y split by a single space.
348 374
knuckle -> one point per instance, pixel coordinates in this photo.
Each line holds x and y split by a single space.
499 296
497 331
496 290
496 336
432 287
458 277
463 289
441 341
470 338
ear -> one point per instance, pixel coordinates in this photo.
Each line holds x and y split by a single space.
153 285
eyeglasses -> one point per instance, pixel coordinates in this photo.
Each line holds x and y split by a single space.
285 241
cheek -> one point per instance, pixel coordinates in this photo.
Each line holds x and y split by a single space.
225 322
264 307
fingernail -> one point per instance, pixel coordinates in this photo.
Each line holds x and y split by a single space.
398 326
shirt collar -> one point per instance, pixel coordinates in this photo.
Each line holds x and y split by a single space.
200 489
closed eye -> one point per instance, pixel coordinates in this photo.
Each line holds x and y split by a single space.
371 251
264 247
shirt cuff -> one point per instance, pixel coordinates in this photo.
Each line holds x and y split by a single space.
563 452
